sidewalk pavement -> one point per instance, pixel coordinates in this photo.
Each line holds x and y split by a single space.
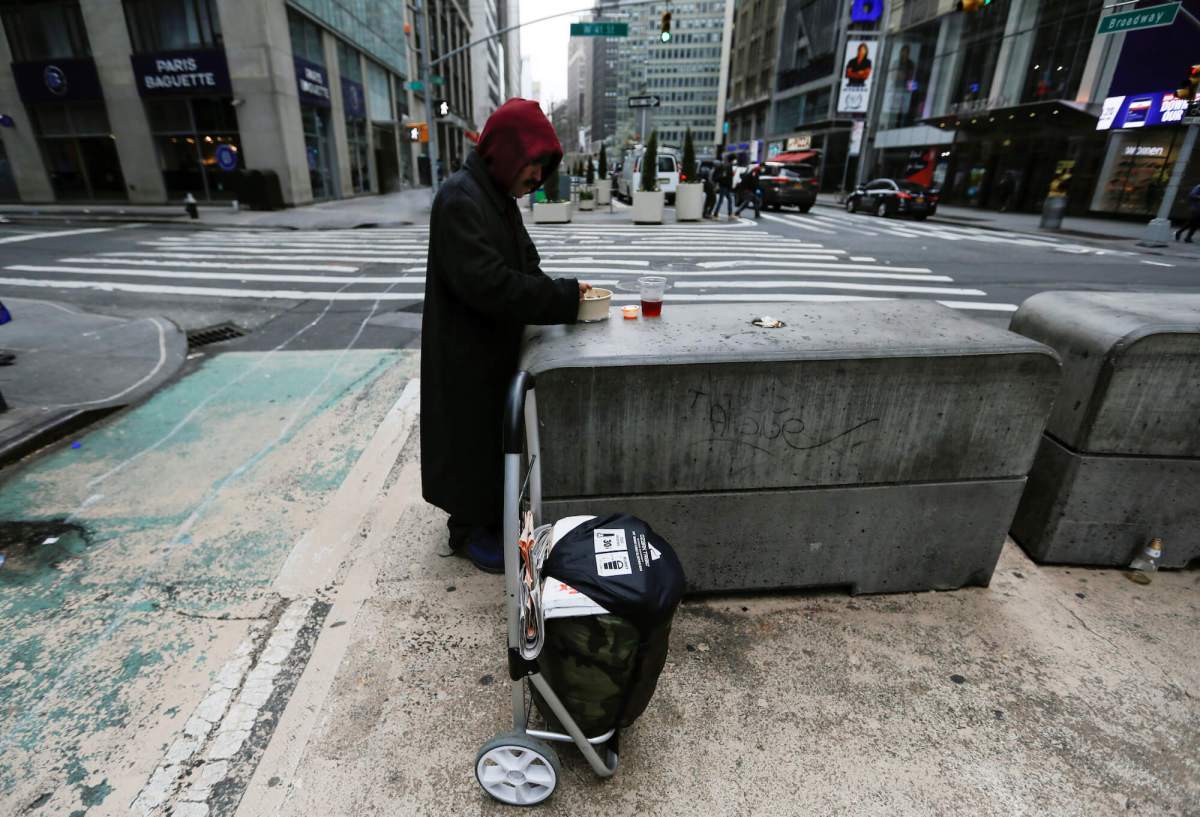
388 210
1114 233
1055 691
74 367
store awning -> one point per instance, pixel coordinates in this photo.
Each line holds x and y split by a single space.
1057 112
794 156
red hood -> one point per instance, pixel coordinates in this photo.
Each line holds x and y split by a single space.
515 135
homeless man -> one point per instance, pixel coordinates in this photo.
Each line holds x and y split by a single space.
483 285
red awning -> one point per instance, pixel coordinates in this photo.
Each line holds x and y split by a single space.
793 156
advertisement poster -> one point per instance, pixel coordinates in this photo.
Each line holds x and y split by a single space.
856 137
857 76
1142 110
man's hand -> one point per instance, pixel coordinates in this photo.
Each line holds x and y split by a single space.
583 288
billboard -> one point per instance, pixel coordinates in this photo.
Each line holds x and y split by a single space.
1142 111
857 76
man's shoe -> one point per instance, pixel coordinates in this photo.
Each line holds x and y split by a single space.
485 551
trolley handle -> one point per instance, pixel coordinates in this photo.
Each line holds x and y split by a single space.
514 412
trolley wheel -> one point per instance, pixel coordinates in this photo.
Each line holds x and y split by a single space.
517 769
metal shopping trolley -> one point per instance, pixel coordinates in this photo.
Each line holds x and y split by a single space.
520 767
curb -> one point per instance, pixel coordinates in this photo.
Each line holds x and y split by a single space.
23 442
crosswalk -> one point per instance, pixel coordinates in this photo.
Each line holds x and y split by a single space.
831 223
708 262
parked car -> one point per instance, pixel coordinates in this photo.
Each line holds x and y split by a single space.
888 197
631 173
787 185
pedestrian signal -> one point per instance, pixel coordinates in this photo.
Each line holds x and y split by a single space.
417 132
665 29
443 108
1191 84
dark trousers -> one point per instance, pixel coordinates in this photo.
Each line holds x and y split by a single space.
1193 224
749 197
725 194
710 198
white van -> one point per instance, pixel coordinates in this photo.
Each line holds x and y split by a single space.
631 173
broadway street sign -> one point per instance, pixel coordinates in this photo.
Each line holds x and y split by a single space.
1132 20
644 101
599 29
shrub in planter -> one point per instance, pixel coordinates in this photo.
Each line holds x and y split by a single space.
648 200
689 195
553 210
587 199
604 189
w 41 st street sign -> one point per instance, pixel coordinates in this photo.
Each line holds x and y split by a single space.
1134 19
599 29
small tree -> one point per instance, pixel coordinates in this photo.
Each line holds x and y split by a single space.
603 162
551 186
689 158
591 172
650 164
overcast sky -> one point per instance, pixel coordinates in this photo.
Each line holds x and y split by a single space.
546 43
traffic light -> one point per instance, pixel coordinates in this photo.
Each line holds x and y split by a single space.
665 29
1190 88
972 5
417 131
443 108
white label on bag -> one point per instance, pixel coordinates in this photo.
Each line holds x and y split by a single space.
613 564
607 540
655 553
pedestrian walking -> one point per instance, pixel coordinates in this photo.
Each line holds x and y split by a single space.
723 179
748 190
710 191
483 285
1193 222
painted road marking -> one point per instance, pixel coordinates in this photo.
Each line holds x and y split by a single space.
274 294
117 258
826 285
771 297
864 258
805 271
785 264
34 236
1157 264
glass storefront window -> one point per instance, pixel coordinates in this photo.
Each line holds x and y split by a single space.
80 152
172 25
188 133
45 31
1136 171
981 41
349 63
356 143
306 38
316 144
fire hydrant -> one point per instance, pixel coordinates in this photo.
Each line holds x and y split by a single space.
189 204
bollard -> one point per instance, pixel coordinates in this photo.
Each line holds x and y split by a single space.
1052 213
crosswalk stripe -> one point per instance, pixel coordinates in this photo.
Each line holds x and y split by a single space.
317 256
788 265
595 252
827 285
199 275
798 271
206 264
795 222
806 298
164 289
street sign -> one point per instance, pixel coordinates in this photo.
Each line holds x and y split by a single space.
226 157
599 29
437 80
644 101
1135 19
416 85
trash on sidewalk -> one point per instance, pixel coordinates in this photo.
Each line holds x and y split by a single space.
1146 562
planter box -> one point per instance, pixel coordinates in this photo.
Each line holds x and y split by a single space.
587 204
648 207
604 193
689 202
552 212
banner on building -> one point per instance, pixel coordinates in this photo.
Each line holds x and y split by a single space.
857 76
312 83
856 137
182 73
65 80
1142 110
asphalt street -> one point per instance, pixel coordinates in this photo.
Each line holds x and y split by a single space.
370 281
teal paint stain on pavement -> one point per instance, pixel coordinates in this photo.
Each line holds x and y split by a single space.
109 616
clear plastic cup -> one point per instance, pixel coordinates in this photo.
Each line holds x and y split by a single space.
652 288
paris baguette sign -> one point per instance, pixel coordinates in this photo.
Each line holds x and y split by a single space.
176 73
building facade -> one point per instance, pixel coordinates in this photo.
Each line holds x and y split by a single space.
148 101
687 74
580 93
754 49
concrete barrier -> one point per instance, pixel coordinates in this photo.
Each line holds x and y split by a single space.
881 446
1120 462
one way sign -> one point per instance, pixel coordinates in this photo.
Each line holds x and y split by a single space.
644 101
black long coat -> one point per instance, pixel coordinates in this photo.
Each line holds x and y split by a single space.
483 285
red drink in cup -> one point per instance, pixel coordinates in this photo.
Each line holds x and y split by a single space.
652 287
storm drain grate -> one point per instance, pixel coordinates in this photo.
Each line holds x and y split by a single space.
209 335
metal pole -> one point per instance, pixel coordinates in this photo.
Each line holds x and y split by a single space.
643 133
426 87
866 152
1158 231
